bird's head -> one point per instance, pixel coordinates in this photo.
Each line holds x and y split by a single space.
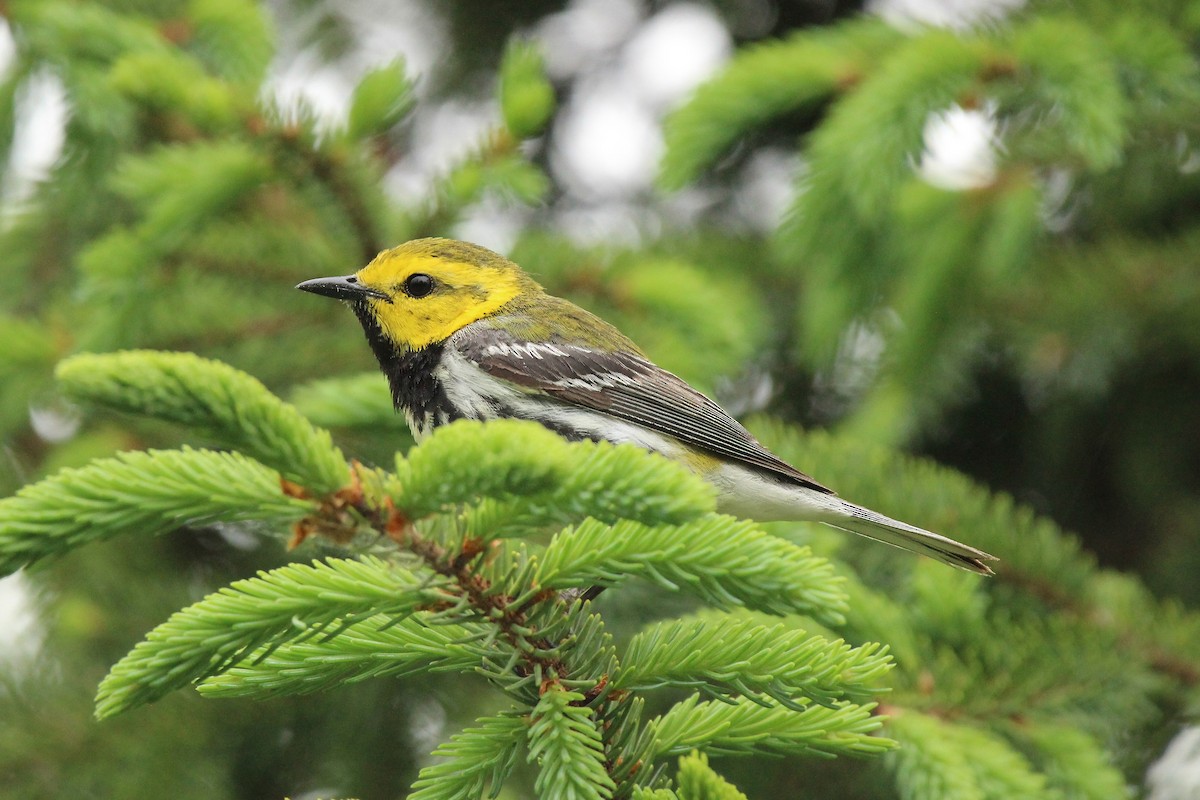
423 291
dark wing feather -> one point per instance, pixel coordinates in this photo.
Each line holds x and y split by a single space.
624 385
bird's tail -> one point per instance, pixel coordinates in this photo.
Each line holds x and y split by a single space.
874 525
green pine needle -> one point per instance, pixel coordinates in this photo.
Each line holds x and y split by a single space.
697 781
731 656
726 561
376 647
608 483
1072 76
139 492
744 727
233 38
231 625
1073 761
942 760
381 100
566 744
642 793
766 81
467 460
473 760
206 394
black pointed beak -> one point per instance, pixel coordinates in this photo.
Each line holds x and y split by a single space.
346 287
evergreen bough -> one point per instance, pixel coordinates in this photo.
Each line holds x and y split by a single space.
1079 93
439 593
190 195
467 558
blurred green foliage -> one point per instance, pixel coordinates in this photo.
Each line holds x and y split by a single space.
1037 330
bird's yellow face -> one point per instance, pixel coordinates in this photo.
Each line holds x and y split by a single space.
425 290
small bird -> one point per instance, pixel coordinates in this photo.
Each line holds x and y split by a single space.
463 333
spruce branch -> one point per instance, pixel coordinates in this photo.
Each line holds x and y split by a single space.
565 742
1049 566
206 394
930 764
531 651
468 595
941 759
504 619
24 344
139 492
1155 66
765 81
1000 230
54 31
177 187
731 657
697 781
376 647
1073 762
496 164
466 461
564 643
1005 674
293 602
923 74
1071 71
642 793
174 87
526 94
233 39
1002 771
727 562
381 100
332 167
473 760
628 740
608 483
746 727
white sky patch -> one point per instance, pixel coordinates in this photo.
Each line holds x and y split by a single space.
609 223
608 140
674 52
1176 775
307 81
8 48
42 111
574 39
1189 156
383 31
766 188
956 14
443 134
426 724
20 629
492 223
856 365
960 149
608 143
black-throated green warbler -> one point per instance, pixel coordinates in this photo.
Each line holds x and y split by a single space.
462 332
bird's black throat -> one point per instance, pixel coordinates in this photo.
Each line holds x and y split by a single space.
411 376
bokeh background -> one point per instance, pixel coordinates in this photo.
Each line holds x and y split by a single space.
999 270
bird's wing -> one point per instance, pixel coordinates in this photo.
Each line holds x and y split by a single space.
624 385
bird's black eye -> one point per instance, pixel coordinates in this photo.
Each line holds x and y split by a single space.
418 285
